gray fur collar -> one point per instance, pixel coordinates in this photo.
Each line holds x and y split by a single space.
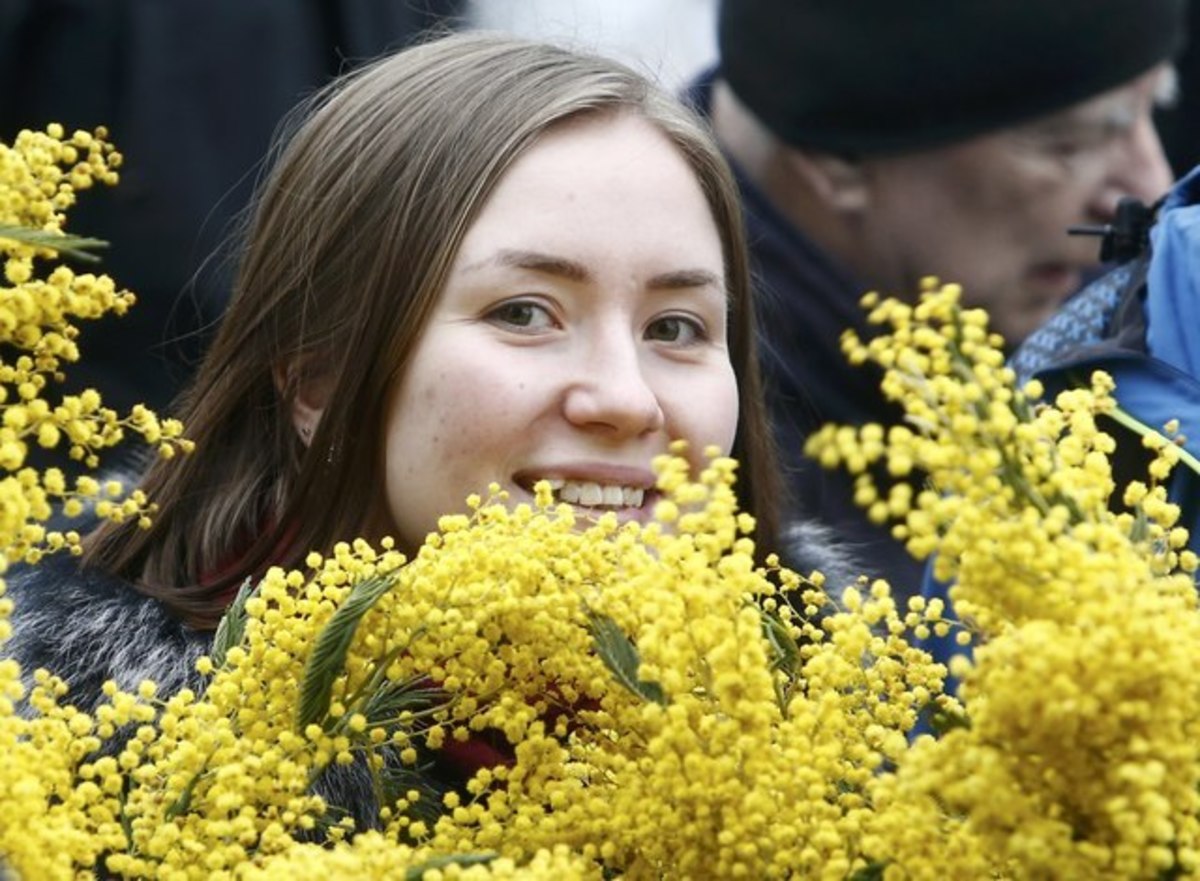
88 627
809 546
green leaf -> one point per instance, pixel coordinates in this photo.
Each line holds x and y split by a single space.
183 804
77 247
329 654
784 648
785 656
1127 419
871 872
389 699
395 781
416 873
126 823
942 722
620 655
232 628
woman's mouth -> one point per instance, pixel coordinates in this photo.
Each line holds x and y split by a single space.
627 496
589 494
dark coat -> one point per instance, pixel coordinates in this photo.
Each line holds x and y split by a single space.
805 300
191 92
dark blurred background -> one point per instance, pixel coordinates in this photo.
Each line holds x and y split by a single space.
191 92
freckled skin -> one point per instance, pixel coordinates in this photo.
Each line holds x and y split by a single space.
603 370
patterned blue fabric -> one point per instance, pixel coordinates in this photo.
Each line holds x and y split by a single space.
1083 321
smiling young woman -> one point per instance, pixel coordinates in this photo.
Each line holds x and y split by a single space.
480 260
582 327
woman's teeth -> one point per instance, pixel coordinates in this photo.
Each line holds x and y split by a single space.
594 495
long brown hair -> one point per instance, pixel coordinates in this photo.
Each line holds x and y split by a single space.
345 255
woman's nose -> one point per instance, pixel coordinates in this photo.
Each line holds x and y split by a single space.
612 392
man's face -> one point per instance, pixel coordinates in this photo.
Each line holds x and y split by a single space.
992 213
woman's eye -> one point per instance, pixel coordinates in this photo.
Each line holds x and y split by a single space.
522 314
675 329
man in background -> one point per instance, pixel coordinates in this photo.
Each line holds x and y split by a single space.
879 142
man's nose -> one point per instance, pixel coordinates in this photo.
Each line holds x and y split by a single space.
1139 169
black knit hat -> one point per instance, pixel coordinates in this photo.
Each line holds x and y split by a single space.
879 76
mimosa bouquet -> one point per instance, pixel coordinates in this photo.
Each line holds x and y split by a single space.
536 694
1077 755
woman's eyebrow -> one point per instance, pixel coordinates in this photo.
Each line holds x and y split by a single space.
535 261
550 264
686 278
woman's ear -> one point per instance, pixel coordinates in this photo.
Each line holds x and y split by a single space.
306 394
840 182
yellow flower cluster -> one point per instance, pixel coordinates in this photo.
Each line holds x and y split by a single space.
743 742
672 710
58 809
40 175
1079 755
669 708
372 855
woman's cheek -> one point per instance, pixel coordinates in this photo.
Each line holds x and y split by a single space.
707 415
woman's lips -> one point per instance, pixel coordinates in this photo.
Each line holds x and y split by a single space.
629 493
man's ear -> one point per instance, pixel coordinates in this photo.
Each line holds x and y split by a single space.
841 183
306 394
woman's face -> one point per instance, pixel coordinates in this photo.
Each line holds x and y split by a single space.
582 328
